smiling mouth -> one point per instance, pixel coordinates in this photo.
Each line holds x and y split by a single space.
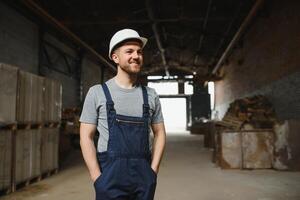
135 63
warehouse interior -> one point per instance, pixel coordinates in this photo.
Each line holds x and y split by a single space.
227 71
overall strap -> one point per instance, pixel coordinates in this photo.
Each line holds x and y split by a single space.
107 93
109 102
146 106
145 94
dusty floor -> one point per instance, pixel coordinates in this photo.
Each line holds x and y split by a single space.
186 173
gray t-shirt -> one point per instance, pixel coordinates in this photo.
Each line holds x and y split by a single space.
126 102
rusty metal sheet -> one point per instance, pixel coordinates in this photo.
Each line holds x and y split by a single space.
257 149
231 154
209 134
281 146
287 151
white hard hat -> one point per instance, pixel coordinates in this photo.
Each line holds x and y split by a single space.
122 35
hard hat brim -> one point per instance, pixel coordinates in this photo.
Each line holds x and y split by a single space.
142 39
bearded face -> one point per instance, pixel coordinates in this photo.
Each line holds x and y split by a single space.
129 57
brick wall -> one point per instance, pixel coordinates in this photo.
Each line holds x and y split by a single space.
268 62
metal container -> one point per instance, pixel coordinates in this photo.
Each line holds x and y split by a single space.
231 150
251 149
257 148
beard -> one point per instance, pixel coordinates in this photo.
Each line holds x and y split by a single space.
132 70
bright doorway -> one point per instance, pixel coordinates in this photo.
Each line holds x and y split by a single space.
173 108
174 112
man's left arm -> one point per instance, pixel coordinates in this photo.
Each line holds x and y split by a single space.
159 143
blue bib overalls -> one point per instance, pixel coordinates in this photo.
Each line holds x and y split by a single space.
125 166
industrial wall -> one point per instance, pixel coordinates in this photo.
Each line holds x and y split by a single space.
70 84
91 74
107 74
22 45
267 62
18 40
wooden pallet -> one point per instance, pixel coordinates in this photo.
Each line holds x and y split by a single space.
49 173
18 186
52 124
5 191
30 181
8 126
30 126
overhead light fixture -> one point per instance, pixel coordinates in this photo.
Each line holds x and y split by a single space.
154 77
189 76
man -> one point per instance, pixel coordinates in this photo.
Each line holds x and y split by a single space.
123 166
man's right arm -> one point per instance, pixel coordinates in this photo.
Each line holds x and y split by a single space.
87 132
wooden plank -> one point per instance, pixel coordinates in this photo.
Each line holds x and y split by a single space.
6 159
22 156
30 98
50 143
55 148
28 155
36 153
45 149
52 100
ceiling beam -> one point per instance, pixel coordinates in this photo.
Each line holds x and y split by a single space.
226 35
157 36
204 25
203 30
141 21
51 20
238 34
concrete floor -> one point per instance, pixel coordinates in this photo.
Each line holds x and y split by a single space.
186 173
